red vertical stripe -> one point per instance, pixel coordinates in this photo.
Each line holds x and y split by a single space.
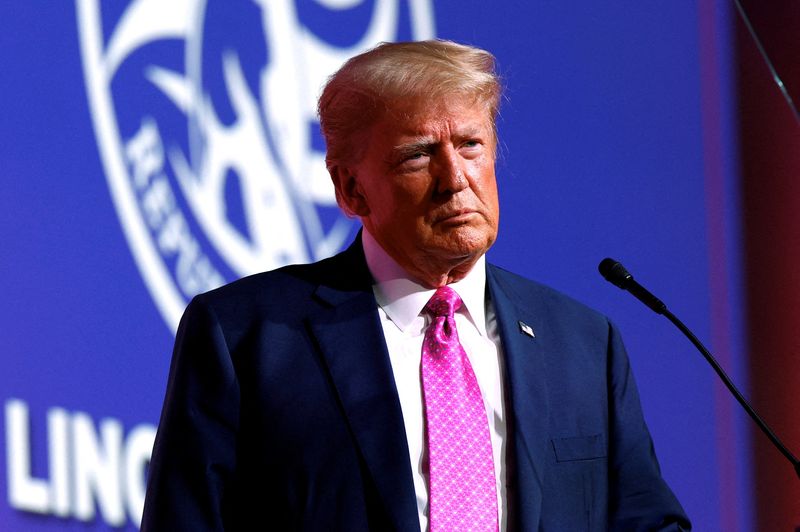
770 153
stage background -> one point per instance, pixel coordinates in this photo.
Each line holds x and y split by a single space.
619 138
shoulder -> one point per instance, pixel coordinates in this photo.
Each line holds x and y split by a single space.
527 293
562 318
285 293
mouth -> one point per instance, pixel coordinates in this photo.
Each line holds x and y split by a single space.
455 217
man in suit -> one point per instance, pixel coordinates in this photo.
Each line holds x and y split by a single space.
312 397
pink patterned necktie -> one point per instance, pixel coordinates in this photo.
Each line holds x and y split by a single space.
462 481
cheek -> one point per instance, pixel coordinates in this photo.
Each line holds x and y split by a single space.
395 211
493 194
412 196
486 186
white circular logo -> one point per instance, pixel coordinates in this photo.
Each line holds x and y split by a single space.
205 117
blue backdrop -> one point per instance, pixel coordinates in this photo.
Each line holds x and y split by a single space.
151 151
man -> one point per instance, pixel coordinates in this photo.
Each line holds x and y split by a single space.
404 384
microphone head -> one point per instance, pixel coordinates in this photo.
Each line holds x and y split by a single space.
614 272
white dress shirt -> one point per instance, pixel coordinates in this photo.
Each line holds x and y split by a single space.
401 301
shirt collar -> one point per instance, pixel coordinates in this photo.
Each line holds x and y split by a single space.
403 299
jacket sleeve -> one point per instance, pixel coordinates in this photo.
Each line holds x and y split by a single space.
194 455
639 497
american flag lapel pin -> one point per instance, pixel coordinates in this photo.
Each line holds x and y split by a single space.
527 329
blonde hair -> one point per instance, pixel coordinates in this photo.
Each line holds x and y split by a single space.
362 90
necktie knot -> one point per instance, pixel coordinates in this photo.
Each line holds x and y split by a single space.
444 302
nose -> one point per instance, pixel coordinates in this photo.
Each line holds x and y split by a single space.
450 172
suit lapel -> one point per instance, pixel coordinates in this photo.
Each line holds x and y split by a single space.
527 393
348 331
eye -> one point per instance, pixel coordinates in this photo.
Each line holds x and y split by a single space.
412 160
471 148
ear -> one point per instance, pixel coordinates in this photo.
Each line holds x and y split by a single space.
349 195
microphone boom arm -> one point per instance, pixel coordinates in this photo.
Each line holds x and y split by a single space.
615 273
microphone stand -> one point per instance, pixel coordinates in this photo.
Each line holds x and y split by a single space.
615 273
735 391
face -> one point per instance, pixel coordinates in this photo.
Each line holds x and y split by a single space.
425 187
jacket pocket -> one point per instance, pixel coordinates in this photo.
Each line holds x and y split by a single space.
579 448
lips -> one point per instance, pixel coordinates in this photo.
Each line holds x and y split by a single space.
455 216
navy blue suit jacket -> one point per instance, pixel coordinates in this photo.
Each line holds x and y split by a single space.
281 413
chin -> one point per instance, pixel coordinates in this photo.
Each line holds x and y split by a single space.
468 244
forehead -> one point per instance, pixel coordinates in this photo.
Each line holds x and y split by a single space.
422 116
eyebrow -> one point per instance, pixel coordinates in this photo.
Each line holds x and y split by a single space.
424 143
420 144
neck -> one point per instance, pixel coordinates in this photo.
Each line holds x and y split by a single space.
426 272
435 275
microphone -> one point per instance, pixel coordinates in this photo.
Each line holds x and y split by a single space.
616 274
